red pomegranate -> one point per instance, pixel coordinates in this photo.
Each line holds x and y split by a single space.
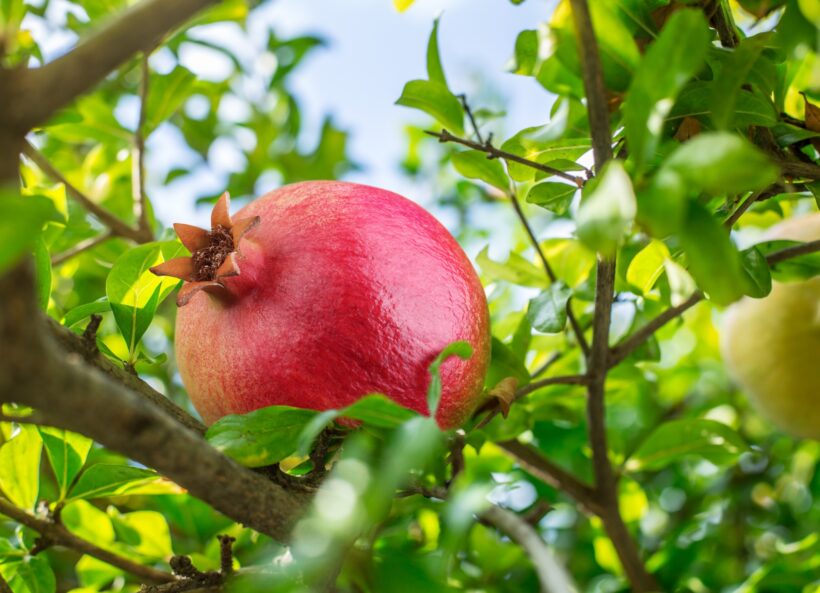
321 292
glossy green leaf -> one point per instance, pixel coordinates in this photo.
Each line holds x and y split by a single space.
261 437
555 197
67 452
436 100
607 211
526 52
475 165
33 574
84 519
20 467
134 292
21 221
757 273
548 311
713 260
144 532
542 145
80 312
732 76
721 162
435 71
647 266
671 442
103 479
672 59
462 350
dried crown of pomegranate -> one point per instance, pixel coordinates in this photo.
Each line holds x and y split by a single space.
214 253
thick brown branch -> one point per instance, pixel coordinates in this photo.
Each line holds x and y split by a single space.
55 534
495 153
36 371
58 83
534 462
117 226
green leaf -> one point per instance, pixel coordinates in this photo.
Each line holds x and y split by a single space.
88 522
706 439
662 204
20 467
750 108
732 76
21 221
526 53
104 479
167 93
555 197
435 72
713 260
475 165
516 270
607 212
436 100
42 269
145 532
67 452
33 574
542 144
647 266
505 363
548 311
261 437
756 271
672 59
134 292
461 349
80 312
722 162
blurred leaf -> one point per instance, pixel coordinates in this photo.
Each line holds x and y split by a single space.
103 479
674 57
750 108
721 162
33 574
607 211
166 94
475 165
756 270
20 467
436 100
261 437
548 311
674 440
461 349
713 260
733 75
402 5
504 363
144 532
526 52
67 452
516 270
435 72
21 220
555 197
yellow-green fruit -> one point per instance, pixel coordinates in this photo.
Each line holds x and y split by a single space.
772 345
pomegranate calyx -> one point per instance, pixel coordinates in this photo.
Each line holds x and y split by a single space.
214 253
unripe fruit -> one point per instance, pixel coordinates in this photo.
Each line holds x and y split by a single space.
772 345
319 293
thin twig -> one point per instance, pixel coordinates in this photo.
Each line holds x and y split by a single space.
741 210
605 482
792 252
81 247
56 534
117 226
560 380
495 153
138 152
547 364
552 575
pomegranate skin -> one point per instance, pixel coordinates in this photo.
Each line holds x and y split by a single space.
344 290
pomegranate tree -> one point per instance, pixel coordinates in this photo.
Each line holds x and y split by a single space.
321 292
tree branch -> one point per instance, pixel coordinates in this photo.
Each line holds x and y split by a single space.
4 586
58 83
71 394
552 576
534 462
138 153
605 483
792 252
560 380
495 153
82 246
117 226
55 534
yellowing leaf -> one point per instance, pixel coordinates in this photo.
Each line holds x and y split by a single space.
402 5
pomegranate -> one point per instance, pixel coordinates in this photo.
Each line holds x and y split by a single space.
321 292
